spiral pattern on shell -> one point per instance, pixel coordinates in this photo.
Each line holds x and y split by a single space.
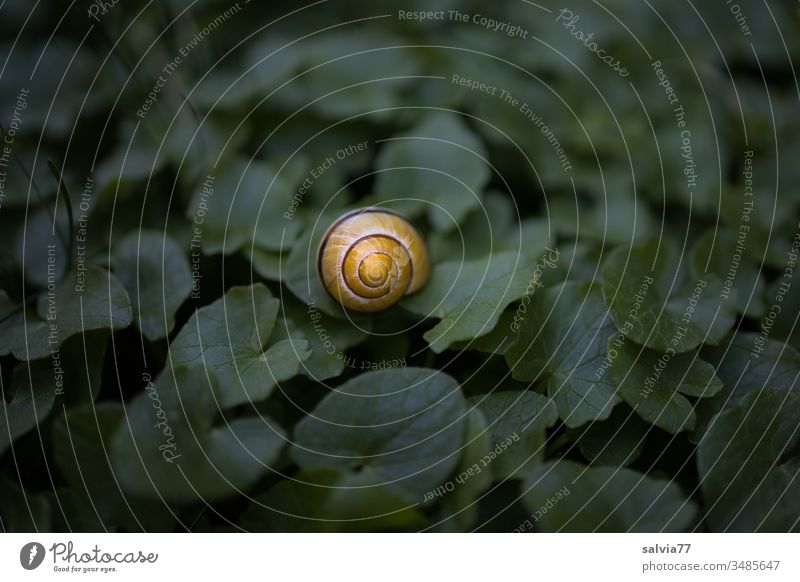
370 258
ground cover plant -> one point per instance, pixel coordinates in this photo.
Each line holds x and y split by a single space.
607 341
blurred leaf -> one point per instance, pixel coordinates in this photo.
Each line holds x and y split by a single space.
605 499
169 446
33 392
82 448
349 74
616 442
23 511
745 484
329 500
437 168
748 363
244 206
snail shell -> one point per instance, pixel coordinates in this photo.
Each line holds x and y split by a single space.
370 258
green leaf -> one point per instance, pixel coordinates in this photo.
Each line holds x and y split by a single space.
771 220
6 305
330 500
563 343
722 254
246 206
616 442
739 460
271 265
230 338
285 357
576 262
157 276
269 62
82 447
651 302
787 327
495 342
440 165
405 425
521 417
348 75
653 383
748 363
492 228
617 215
99 301
33 392
327 338
459 509
170 447
604 499
38 248
83 358
470 297
776 506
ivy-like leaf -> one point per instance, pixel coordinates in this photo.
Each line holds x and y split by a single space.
230 338
563 342
470 297
722 254
98 301
268 264
745 485
651 302
653 383
604 499
521 417
170 447
330 500
440 164
405 425
787 327
493 228
748 363
327 338
242 206
459 509
157 276
615 442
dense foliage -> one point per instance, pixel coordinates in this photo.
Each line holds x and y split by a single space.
607 342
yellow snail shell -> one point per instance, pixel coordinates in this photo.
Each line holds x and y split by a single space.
370 258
